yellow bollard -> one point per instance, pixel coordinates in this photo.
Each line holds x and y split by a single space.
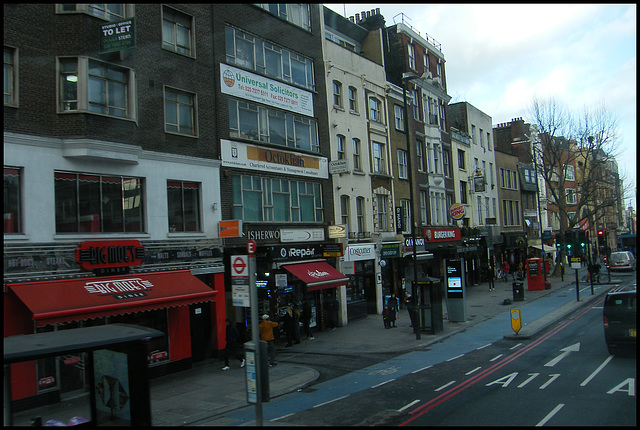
516 321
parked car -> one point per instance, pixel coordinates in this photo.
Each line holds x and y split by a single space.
622 260
619 318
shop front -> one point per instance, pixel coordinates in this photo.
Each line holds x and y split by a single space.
364 291
187 308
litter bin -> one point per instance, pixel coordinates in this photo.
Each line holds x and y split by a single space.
518 291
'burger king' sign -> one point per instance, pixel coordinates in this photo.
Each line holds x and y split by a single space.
457 212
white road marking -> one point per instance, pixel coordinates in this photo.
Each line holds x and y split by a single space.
553 378
445 386
515 346
482 347
533 375
496 357
457 356
474 370
595 372
331 401
420 370
551 414
382 383
283 417
407 406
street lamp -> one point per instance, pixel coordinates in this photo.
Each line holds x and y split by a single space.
406 77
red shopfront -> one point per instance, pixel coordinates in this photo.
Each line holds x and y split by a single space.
189 312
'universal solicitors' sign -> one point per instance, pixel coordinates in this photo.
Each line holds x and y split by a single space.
240 83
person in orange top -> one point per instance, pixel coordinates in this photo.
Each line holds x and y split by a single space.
266 333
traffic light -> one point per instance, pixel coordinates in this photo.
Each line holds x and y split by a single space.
569 241
582 242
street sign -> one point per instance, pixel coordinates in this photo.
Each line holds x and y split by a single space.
239 266
516 320
251 247
575 263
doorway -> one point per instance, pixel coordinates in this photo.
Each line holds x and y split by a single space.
200 320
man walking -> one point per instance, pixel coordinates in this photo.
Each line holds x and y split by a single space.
266 334
232 337
490 275
408 300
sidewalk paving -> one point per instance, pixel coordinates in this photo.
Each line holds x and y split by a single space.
200 395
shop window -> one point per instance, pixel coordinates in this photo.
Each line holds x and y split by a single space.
87 203
183 200
12 201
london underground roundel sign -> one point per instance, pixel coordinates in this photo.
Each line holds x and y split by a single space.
457 212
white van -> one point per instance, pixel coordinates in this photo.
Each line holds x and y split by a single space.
623 260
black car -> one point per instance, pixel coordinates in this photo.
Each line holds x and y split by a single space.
619 318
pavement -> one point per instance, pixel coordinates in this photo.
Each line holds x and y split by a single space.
203 394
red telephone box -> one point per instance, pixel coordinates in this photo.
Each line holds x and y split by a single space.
535 276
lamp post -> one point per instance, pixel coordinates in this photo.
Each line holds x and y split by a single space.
406 77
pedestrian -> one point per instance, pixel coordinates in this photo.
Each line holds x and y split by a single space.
393 305
266 334
408 300
506 269
288 325
490 277
520 272
385 317
232 335
306 319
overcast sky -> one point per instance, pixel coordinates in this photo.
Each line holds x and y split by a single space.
500 57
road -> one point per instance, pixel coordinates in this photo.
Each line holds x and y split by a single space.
564 376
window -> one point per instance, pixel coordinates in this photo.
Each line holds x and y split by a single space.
402 164
12 211
473 135
344 211
353 100
374 109
357 165
382 212
295 13
528 176
443 122
508 179
569 173
276 200
571 196
10 77
98 203
461 160
416 105
337 94
419 156
360 213
436 158
265 124
412 56
481 135
423 207
405 206
88 85
441 71
463 192
511 213
479 206
183 200
491 175
179 112
489 141
445 161
433 111
177 34
426 61
399 117
256 54
378 158
110 12
340 147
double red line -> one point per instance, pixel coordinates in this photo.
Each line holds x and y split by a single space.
422 409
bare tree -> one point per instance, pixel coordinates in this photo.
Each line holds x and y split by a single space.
576 159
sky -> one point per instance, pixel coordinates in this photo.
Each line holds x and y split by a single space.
500 57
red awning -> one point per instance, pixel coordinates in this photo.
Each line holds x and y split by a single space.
317 275
79 299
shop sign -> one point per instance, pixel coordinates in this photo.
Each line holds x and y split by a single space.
301 234
116 36
360 252
400 227
457 211
249 86
265 159
49 380
295 252
339 166
442 234
408 244
263 235
109 254
72 360
336 231
158 355
230 228
332 250
390 250
491 221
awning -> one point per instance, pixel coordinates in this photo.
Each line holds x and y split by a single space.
547 249
78 299
317 275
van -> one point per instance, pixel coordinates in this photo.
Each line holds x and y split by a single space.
619 319
623 260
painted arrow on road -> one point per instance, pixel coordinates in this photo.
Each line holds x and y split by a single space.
565 352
